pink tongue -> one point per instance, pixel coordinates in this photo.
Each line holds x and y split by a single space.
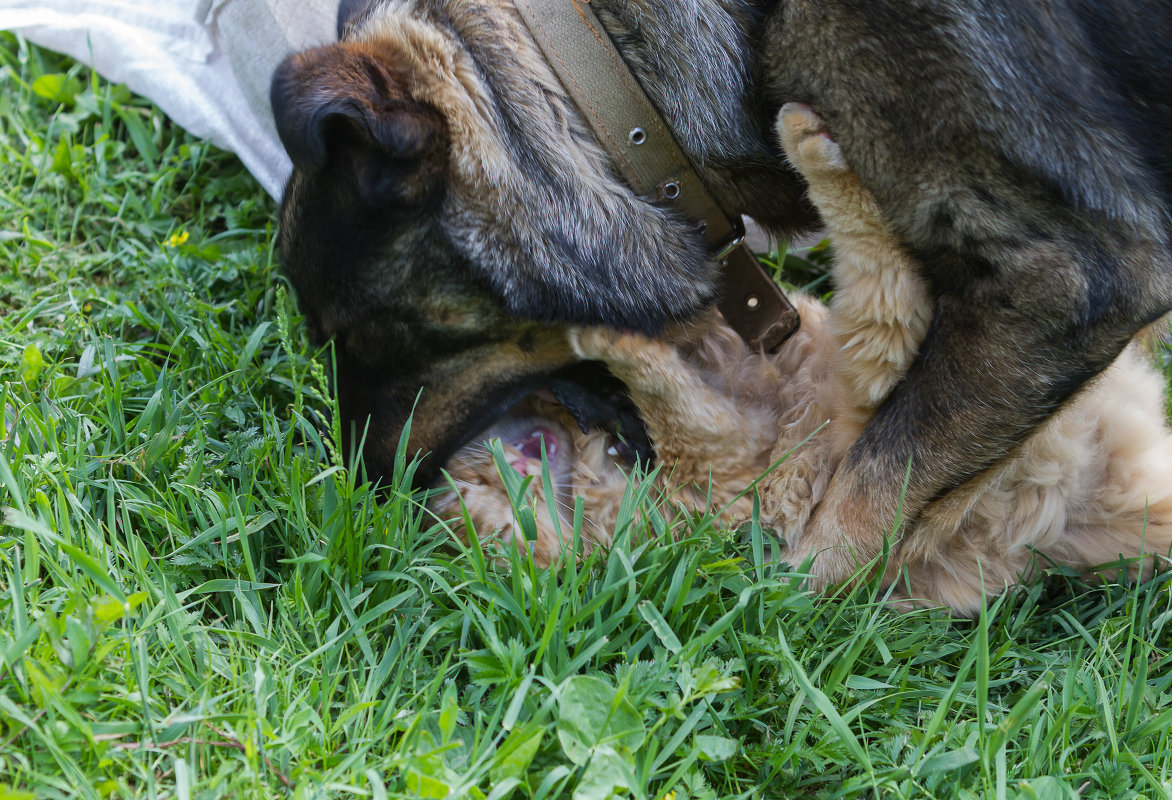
530 446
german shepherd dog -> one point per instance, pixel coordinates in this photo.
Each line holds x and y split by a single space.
1091 485
450 213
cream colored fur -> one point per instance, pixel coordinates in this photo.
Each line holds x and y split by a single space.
1093 485
719 414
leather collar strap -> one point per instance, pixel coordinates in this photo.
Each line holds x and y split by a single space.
647 156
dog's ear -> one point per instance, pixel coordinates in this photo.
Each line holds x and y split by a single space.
349 11
344 105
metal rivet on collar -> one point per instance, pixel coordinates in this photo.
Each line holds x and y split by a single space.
637 136
669 190
752 301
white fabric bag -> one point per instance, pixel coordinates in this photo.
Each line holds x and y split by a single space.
205 63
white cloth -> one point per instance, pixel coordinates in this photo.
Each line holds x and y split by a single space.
205 63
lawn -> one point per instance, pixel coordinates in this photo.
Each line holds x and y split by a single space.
200 599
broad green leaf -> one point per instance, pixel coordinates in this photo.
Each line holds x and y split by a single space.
716 748
108 609
946 762
591 713
32 363
608 775
63 159
1045 788
421 785
516 754
57 87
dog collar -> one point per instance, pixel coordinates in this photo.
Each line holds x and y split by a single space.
647 156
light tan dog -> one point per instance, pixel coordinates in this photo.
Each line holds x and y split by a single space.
1092 485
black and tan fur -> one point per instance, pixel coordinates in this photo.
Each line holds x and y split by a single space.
448 206
1091 486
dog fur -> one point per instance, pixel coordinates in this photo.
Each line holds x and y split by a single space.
1091 486
449 214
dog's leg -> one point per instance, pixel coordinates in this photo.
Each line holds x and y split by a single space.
881 307
880 312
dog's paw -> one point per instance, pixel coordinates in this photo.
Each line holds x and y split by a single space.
839 556
616 348
795 505
789 495
827 558
807 145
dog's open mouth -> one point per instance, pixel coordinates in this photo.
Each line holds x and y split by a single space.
587 394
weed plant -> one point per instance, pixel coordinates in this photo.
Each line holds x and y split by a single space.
199 599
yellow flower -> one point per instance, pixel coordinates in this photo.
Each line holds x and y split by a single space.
670 795
178 239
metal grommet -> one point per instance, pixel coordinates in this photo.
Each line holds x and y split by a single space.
637 136
669 190
752 301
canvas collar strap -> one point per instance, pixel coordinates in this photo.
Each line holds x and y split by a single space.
647 156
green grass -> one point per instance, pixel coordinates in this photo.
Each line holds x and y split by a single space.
197 599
